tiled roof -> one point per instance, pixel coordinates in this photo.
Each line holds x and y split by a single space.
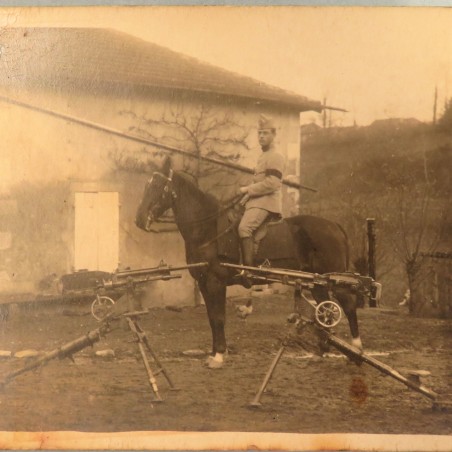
91 56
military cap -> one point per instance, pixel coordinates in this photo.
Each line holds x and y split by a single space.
265 123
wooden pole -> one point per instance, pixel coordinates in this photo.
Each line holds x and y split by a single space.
127 136
435 102
371 257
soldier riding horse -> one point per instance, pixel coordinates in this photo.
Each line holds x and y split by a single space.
299 243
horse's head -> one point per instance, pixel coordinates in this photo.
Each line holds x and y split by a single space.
157 198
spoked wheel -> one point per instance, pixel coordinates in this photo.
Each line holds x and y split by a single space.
101 307
328 314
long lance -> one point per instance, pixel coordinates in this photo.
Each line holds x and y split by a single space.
128 136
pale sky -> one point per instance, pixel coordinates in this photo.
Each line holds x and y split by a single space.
375 62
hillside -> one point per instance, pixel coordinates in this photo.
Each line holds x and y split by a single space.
363 159
396 171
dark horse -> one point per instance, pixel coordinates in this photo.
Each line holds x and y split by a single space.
304 242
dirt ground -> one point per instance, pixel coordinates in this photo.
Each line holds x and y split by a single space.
306 394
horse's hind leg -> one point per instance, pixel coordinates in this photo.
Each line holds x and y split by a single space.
348 302
214 294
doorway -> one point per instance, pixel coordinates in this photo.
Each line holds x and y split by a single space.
96 231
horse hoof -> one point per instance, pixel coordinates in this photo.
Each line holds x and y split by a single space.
208 360
213 364
356 342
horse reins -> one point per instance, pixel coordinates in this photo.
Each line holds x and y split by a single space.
214 239
229 203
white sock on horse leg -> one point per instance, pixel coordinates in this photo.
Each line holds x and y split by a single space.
356 341
218 357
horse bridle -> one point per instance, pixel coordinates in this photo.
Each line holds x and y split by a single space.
167 190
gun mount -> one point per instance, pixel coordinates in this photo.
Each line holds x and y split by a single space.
327 314
305 280
129 280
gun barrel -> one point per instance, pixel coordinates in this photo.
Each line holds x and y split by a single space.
273 271
65 350
125 282
299 277
160 269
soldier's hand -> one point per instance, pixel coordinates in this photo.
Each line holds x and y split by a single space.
243 190
244 200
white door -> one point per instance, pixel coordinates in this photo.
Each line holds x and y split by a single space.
96 231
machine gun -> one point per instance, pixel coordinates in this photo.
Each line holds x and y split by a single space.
129 280
412 381
327 313
144 275
68 349
102 310
307 280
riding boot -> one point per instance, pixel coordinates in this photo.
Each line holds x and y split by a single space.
247 247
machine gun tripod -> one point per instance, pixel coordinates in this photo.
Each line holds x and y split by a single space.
143 345
412 381
325 316
68 349
102 308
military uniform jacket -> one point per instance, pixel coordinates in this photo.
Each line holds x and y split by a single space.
265 191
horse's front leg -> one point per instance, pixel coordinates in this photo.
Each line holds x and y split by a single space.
214 293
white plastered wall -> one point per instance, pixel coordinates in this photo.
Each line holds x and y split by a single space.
39 148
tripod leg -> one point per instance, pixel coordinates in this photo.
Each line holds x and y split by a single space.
256 401
152 380
155 358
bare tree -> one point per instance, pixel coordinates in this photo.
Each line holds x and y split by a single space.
353 209
133 161
201 131
415 222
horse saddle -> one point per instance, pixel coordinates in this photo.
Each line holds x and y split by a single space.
273 239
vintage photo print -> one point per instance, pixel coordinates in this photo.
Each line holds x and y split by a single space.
225 228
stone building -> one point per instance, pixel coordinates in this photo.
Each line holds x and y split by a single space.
69 188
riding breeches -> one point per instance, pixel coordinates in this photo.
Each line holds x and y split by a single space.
251 220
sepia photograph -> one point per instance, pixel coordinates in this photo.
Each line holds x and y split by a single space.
226 227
